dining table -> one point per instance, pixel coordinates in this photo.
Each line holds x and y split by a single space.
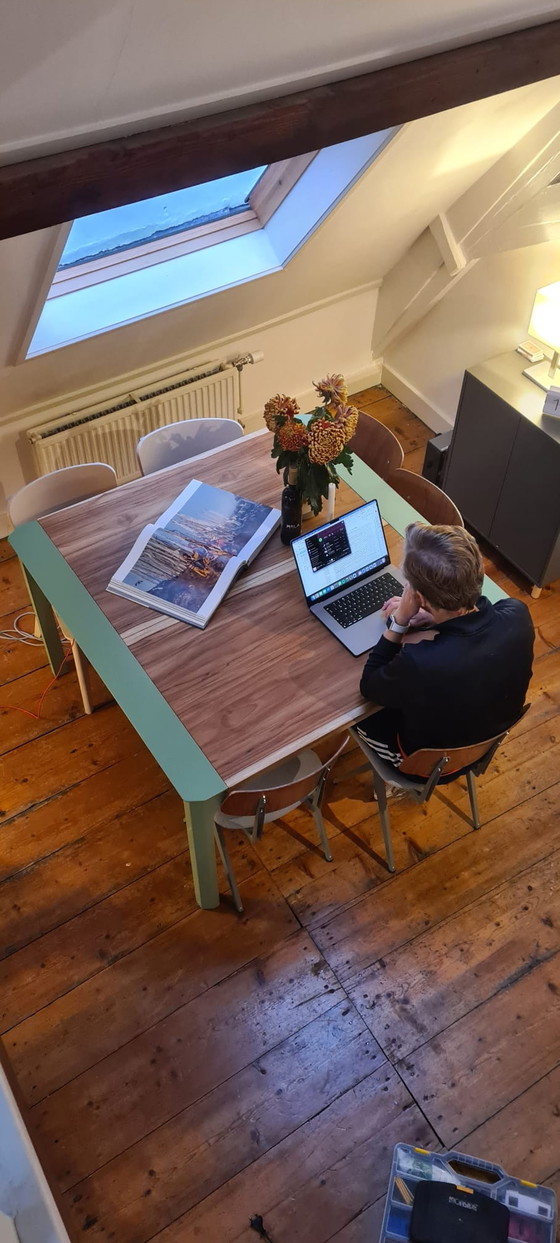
218 705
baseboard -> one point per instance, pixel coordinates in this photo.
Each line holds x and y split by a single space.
366 377
415 400
5 525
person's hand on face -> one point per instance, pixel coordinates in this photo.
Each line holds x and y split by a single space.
401 607
406 606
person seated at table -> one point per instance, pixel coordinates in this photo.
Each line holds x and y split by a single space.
464 676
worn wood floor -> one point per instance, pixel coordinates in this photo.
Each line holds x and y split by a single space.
183 1069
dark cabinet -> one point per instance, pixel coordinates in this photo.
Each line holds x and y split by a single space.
503 466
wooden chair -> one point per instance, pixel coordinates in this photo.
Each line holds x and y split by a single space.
296 782
426 497
376 445
166 446
432 765
46 495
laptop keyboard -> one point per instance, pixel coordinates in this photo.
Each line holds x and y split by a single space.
363 600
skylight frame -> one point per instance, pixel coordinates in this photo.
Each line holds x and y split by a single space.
266 196
291 219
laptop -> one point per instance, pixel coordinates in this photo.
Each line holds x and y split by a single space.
347 576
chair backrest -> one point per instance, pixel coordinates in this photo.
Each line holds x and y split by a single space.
58 489
166 446
426 497
274 798
376 445
422 763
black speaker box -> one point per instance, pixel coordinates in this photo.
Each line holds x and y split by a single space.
434 460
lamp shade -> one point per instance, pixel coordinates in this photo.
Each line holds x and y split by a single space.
545 320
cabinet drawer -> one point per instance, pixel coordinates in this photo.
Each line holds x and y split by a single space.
483 439
527 518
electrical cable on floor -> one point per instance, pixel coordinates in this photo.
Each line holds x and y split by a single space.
257 1224
36 715
17 633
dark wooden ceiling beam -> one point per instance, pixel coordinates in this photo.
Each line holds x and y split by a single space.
54 188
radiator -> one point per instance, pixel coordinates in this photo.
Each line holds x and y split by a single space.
110 432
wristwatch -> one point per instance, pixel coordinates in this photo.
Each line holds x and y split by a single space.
394 625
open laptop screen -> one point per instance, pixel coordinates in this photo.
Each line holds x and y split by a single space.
341 552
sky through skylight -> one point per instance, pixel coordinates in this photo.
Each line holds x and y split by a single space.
108 232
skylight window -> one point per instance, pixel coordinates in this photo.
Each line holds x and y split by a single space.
122 228
130 262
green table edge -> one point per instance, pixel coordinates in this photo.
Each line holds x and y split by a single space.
178 755
395 510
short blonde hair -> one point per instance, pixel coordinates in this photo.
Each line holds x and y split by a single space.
444 564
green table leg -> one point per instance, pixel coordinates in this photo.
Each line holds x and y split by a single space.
199 819
47 624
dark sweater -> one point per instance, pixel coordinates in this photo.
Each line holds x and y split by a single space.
466 685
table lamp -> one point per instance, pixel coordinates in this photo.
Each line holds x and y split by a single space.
545 327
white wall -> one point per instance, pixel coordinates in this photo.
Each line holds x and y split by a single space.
24 1192
334 335
485 314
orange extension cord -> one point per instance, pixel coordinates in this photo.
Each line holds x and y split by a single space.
36 715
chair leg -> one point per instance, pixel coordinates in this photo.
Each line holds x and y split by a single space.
224 856
473 799
381 796
82 677
318 818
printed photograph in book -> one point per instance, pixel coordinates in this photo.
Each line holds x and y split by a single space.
182 561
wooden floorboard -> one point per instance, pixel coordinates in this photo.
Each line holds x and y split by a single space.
205 1145
440 885
185 1069
493 1053
526 1132
171 1064
103 1013
317 1179
462 962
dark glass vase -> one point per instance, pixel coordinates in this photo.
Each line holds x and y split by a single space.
291 508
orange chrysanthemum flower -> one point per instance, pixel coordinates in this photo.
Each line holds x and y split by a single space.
326 441
293 435
332 389
347 417
278 408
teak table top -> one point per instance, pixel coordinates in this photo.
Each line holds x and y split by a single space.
264 678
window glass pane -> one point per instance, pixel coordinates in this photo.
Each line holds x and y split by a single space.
122 227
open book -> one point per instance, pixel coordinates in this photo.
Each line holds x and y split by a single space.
184 564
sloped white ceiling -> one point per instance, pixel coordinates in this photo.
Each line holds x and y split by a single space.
72 72
430 163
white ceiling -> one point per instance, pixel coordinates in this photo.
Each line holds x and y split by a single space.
73 71
431 163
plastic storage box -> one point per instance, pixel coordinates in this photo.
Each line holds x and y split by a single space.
532 1209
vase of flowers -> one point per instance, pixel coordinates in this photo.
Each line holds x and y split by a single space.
311 451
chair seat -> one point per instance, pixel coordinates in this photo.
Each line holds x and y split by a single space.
470 760
394 776
288 771
391 774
